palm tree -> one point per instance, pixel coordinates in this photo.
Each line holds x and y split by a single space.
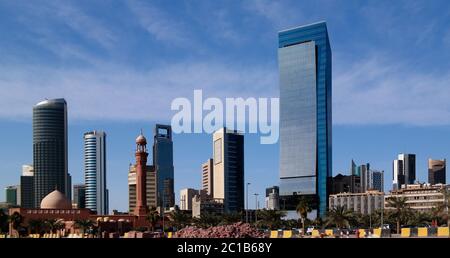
84 224
153 217
15 220
179 219
35 226
3 221
303 208
207 220
230 218
53 225
401 208
339 216
270 219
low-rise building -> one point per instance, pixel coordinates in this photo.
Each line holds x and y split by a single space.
202 204
419 197
364 203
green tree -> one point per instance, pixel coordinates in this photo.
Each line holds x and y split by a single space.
230 218
153 218
270 219
84 224
400 210
445 207
179 219
302 209
339 216
4 218
36 226
53 225
207 220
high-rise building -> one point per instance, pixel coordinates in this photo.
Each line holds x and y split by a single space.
363 172
228 158
376 180
186 196
208 177
95 172
345 184
26 187
304 58
273 198
436 171
404 170
50 148
163 162
79 196
150 187
12 194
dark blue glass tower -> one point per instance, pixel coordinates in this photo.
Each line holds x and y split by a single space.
163 162
304 58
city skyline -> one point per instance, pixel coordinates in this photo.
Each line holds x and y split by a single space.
422 140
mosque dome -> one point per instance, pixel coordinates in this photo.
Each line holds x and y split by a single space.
55 200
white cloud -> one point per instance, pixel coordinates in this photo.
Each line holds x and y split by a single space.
377 90
278 13
159 24
120 93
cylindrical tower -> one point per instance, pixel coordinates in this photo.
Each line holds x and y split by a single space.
49 148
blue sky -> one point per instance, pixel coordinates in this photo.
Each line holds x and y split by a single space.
119 64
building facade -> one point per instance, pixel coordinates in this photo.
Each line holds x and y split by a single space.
404 170
95 172
50 148
345 184
186 196
26 187
163 162
12 194
150 187
228 155
205 205
364 203
208 177
304 58
273 198
436 171
419 197
79 196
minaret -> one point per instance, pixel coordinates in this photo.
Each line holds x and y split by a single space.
141 165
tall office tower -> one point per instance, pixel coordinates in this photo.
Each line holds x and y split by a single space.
69 187
208 177
273 198
228 149
26 187
363 172
95 172
376 180
186 196
404 170
436 171
79 196
163 162
304 58
12 194
141 155
49 148
150 187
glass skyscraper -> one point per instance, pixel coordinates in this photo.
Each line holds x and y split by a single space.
163 163
50 149
96 193
304 57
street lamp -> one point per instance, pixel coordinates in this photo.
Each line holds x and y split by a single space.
246 209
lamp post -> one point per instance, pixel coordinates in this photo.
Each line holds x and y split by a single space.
246 205
256 206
